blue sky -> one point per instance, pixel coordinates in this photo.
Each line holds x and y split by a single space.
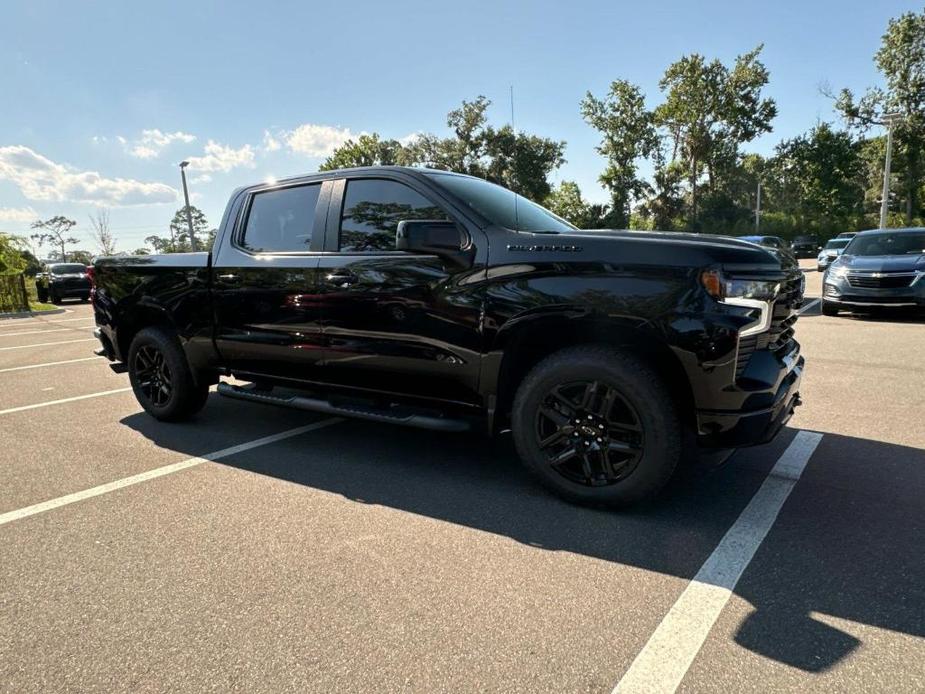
101 100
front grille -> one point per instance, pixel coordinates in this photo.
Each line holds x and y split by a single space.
779 337
880 280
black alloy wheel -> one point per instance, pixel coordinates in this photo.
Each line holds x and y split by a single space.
589 433
153 375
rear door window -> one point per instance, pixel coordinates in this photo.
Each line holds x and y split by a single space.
281 221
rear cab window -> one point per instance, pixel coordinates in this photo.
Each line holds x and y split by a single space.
281 220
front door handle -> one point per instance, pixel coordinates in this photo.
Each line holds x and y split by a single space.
230 277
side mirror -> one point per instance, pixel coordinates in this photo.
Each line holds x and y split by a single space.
435 237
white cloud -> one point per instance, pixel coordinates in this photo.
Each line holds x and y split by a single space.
220 157
153 141
18 214
410 138
39 178
204 178
317 140
270 142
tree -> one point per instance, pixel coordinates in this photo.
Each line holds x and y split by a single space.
519 161
565 200
708 112
368 150
825 175
55 232
85 257
179 241
901 61
628 134
102 233
12 258
141 251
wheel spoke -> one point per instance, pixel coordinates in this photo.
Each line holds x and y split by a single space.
556 417
563 401
563 457
587 400
556 436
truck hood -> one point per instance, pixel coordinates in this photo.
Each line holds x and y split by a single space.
883 263
710 247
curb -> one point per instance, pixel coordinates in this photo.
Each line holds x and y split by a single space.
31 314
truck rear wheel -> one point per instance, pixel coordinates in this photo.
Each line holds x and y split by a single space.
161 377
597 426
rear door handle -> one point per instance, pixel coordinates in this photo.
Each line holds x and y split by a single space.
230 277
342 277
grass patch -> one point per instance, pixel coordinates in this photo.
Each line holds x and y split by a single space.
38 306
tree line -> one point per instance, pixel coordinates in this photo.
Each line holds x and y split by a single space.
824 181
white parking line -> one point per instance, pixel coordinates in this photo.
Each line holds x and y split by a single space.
20 322
42 332
809 305
37 405
48 363
49 344
665 659
10 516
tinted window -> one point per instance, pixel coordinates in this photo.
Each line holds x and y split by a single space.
501 206
68 269
281 220
836 243
372 210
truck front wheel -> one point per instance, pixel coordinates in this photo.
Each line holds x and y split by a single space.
597 426
161 377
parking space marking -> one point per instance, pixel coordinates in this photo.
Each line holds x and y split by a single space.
48 363
42 332
666 658
809 305
50 344
51 504
37 405
20 322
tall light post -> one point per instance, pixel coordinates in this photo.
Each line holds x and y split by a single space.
889 120
758 209
189 214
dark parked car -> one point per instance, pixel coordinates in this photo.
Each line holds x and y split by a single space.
442 301
59 281
881 268
805 246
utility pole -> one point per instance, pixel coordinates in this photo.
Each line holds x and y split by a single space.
758 209
189 214
889 120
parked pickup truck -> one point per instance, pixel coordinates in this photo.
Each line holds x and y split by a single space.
442 301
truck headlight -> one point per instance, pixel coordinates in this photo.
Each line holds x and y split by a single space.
751 293
723 288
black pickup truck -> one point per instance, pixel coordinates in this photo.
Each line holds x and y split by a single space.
442 301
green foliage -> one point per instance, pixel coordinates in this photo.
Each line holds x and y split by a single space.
179 241
565 200
628 134
519 161
55 232
12 259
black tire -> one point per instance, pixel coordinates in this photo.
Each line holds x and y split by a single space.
42 294
161 377
641 431
829 309
53 296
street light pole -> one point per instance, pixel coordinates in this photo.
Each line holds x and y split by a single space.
888 120
189 214
758 209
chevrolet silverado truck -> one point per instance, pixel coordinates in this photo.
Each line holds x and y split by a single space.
437 300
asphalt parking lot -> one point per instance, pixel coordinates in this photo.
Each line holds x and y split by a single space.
320 555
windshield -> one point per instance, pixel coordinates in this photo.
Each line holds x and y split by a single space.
835 244
68 269
501 206
886 243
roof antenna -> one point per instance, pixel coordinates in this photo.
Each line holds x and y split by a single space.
514 131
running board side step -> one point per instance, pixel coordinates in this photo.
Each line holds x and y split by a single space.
301 402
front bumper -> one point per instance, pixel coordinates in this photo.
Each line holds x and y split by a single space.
735 429
838 291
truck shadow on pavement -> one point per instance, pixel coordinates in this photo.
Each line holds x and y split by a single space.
847 545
